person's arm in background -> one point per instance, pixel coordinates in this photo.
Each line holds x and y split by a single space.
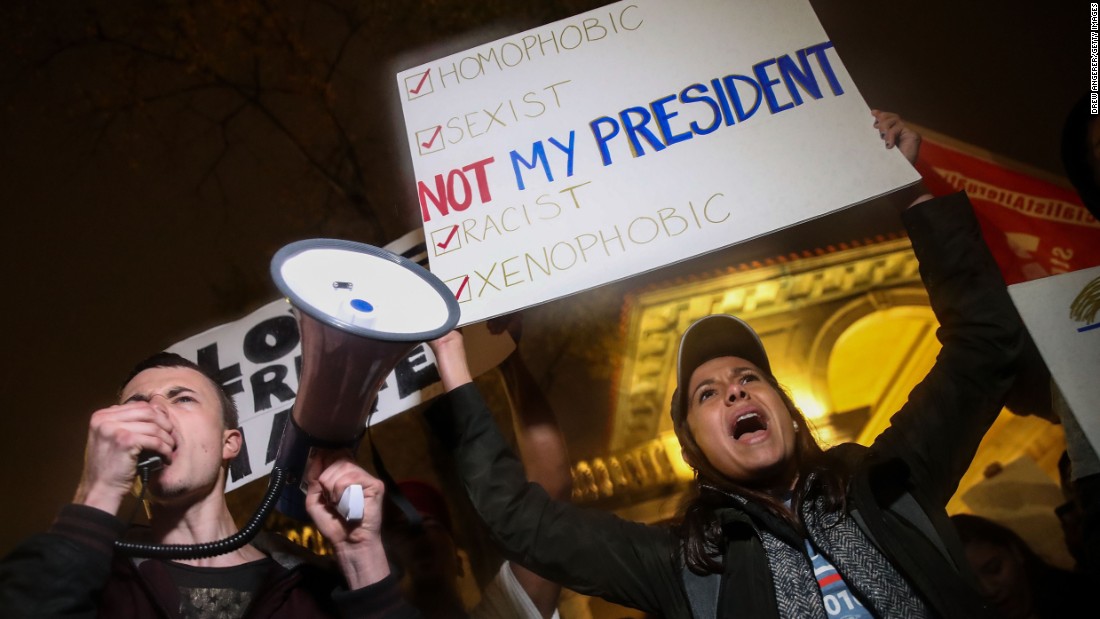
541 449
1085 475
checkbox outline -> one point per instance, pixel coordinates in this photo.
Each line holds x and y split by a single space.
424 85
452 241
435 136
463 287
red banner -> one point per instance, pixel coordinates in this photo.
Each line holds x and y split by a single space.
1034 228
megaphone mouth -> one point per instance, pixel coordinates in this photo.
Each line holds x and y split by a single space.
364 290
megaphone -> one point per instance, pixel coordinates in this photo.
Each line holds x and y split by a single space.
360 310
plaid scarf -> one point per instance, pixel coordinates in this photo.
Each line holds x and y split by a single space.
866 571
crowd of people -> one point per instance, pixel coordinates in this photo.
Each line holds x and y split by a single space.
776 526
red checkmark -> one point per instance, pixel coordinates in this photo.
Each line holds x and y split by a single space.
435 135
465 280
423 79
450 236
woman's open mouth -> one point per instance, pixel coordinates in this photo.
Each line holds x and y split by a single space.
748 426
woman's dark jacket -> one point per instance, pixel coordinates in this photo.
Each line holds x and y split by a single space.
898 489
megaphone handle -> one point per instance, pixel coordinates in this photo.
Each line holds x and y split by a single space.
351 503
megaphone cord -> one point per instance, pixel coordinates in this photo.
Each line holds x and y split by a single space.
209 549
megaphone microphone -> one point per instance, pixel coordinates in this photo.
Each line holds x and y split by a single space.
360 311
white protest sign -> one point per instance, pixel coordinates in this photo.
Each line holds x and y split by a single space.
631 137
257 359
1062 313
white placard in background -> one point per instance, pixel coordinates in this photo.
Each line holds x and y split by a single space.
1062 313
631 137
257 360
